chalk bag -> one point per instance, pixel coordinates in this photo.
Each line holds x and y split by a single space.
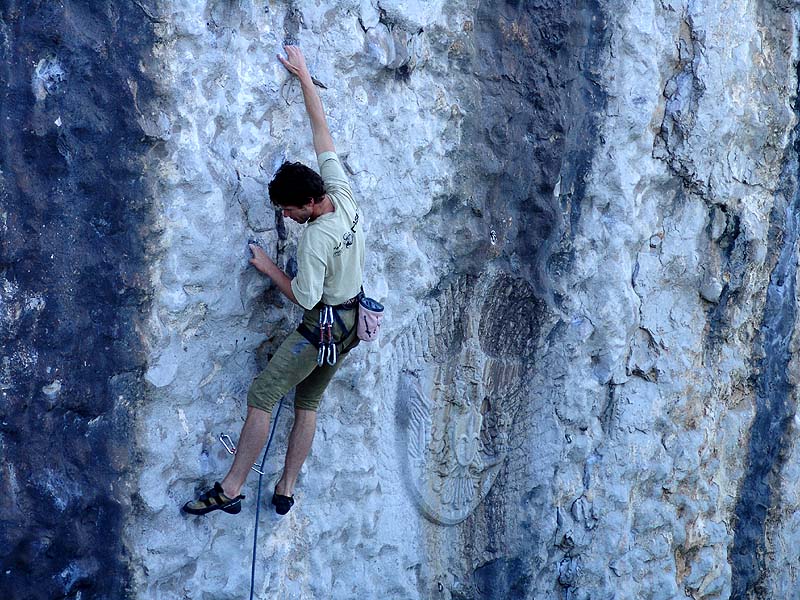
370 314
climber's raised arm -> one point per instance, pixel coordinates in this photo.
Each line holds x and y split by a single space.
295 63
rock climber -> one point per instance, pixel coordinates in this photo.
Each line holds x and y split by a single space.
330 261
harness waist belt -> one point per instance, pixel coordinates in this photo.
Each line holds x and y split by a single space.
346 305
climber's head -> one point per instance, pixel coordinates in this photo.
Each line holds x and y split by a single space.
295 185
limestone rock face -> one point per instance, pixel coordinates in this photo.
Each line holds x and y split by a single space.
583 223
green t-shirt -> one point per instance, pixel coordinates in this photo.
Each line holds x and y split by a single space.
330 255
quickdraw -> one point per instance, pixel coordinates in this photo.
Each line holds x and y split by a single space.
327 346
231 448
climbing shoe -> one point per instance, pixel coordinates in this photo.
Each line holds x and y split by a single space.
282 503
214 499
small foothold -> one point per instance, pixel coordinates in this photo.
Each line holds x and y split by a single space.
493 237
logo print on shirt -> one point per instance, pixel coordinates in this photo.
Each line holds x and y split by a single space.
347 239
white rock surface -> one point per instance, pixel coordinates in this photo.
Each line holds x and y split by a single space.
616 404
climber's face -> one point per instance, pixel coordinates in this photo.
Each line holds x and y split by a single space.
298 214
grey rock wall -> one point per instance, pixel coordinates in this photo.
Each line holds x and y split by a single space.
683 237
582 218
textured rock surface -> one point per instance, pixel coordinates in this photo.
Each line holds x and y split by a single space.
73 290
618 171
582 220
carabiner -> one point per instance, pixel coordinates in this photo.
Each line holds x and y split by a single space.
332 357
231 448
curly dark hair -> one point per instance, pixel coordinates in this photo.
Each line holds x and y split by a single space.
294 184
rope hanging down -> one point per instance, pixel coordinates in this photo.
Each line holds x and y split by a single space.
258 500
228 443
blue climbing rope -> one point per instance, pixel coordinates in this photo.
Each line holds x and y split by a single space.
258 499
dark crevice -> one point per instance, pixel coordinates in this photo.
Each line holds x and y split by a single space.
736 254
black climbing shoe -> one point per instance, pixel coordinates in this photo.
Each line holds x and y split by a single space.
214 499
282 503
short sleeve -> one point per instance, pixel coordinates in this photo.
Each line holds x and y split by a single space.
308 285
332 173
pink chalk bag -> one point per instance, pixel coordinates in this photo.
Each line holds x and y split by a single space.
370 314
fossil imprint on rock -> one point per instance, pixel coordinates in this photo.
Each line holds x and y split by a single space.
465 362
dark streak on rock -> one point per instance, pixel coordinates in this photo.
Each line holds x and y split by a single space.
74 217
771 429
534 123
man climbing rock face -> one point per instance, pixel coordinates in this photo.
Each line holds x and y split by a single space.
330 261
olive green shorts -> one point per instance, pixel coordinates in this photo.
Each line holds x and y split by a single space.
295 364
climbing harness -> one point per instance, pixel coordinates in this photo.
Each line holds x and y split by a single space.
231 448
328 349
327 346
